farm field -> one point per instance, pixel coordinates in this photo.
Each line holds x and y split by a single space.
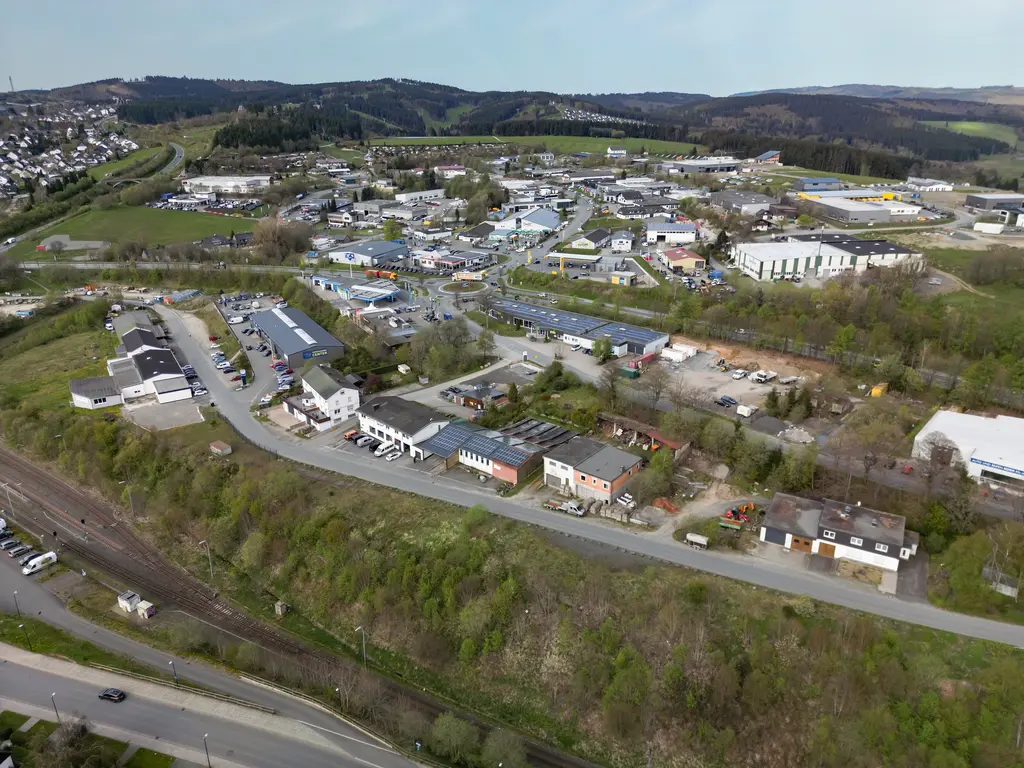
137 223
996 131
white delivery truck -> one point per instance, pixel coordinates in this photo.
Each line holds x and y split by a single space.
37 564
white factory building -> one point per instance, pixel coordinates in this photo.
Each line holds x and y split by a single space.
670 233
990 448
226 185
418 197
773 261
928 185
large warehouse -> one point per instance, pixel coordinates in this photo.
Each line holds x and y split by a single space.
228 185
295 338
989 448
580 329
370 253
990 201
772 261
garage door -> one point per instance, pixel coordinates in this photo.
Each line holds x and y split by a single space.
801 544
775 536
827 550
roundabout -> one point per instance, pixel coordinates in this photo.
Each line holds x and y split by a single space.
463 287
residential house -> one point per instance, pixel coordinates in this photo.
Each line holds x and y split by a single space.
401 422
328 399
836 530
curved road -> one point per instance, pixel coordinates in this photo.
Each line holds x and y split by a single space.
35 600
179 156
235 408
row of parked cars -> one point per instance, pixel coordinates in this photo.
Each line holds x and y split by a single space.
380 448
29 560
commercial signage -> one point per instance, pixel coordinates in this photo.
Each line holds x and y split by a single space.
314 353
1000 467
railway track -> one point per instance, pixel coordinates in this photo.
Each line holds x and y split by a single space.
109 543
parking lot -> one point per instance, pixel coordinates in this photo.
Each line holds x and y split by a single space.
700 373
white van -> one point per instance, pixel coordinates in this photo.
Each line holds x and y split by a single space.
384 448
3 524
39 563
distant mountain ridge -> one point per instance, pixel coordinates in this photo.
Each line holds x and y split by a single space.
988 94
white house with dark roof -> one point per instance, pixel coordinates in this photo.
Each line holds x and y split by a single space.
622 241
327 399
402 422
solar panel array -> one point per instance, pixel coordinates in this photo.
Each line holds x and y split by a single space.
540 433
448 440
575 324
494 450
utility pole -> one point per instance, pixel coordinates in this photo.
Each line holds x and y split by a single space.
363 631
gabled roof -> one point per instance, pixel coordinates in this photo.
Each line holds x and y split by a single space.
623 234
574 451
403 416
156 362
608 463
769 154
138 338
325 381
597 235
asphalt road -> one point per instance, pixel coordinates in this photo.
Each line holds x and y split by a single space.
179 156
235 408
229 740
34 600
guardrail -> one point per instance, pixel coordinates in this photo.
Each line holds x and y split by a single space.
188 688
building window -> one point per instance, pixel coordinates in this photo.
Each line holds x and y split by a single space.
606 486
828 534
99 400
583 478
881 547
855 542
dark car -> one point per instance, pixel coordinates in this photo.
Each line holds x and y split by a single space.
112 694
728 400
229 369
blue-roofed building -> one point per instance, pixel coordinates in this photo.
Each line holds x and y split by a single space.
771 157
817 184
584 330
487 451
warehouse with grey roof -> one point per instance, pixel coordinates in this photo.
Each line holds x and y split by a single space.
295 338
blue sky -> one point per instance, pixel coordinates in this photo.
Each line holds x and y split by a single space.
569 46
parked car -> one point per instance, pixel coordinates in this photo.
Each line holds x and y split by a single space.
229 369
223 365
24 549
236 378
9 545
729 400
393 455
362 441
27 556
199 392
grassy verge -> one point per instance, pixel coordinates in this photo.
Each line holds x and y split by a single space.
12 720
499 329
147 758
218 326
646 267
102 171
39 637
569 144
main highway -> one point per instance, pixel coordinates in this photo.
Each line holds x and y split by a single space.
234 406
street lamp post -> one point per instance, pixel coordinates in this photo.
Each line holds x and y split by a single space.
174 671
16 606
28 640
53 701
363 632
209 557
208 765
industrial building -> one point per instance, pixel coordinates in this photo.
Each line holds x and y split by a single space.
863 194
370 253
928 185
682 260
771 157
94 393
670 233
417 197
584 330
401 422
741 202
990 201
989 448
622 241
850 211
784 260
369 292
709 165
295 338
839 531
539 221
817 184
589 469
226 185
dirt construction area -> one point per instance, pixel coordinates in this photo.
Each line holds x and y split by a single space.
702 373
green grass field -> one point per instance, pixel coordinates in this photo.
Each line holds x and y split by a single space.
405 141
138 223
40 375
569 144
996 131
102 171
847 177
147 758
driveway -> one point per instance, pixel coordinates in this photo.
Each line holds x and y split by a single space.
741 568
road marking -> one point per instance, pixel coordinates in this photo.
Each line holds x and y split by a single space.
382 748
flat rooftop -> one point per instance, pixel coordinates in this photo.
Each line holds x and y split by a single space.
981 439
575 324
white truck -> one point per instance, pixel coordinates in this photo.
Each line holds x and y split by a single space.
569 507
763 376
746 410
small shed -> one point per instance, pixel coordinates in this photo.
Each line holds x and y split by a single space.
220 448
127 601
145 609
